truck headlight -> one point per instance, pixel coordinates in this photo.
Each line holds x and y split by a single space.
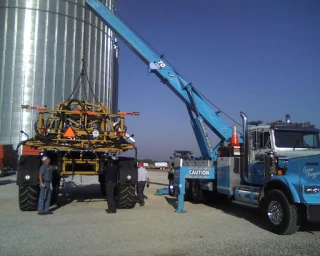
311 189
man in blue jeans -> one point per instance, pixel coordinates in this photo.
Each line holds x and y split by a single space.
45 178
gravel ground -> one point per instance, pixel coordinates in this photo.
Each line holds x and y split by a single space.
82 227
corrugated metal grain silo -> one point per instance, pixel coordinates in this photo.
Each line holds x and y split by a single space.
42 43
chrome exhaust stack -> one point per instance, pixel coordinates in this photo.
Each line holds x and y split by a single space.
245 162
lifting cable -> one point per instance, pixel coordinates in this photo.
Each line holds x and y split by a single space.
216 106
83 73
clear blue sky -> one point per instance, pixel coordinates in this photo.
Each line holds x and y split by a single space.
260 57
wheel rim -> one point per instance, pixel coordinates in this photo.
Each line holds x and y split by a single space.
275 212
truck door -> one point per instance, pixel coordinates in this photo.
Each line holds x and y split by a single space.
310 170
259 144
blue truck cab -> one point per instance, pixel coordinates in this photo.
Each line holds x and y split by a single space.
278 170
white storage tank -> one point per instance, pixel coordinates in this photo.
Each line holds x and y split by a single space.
41 49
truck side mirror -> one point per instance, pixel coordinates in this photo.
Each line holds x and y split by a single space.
251 140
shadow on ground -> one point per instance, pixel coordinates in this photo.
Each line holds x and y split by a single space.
253 214
311 227
6 182
71 192
157 183
248 213
172 201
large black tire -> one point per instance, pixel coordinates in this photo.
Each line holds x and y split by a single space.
196 193
172 192
187 195
126 197
28 198
280 215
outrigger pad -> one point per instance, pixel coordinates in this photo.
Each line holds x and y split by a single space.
162 191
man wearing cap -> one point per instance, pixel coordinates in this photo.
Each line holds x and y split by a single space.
45 178
143 178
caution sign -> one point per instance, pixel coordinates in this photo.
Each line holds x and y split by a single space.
70 133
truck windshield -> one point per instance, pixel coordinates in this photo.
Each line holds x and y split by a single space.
296 139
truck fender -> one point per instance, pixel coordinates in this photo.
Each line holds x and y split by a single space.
127 171
28 170
280 183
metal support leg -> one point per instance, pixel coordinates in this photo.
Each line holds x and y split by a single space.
180 206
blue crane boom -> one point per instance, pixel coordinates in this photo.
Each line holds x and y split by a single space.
196 105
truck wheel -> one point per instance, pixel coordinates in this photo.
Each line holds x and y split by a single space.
28 198
196 194
187 195
170 187
126 197
172 192
280 215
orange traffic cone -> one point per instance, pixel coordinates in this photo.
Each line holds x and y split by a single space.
234 138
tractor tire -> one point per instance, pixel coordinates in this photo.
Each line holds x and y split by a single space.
280 215
126 197
28 198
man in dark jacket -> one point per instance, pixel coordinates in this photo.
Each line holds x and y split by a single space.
111 182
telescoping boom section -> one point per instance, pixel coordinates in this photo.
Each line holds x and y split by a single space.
169 76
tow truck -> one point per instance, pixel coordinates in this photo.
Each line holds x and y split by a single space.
274 166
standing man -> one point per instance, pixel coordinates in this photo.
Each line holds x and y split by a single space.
143 178
45 178
111 182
